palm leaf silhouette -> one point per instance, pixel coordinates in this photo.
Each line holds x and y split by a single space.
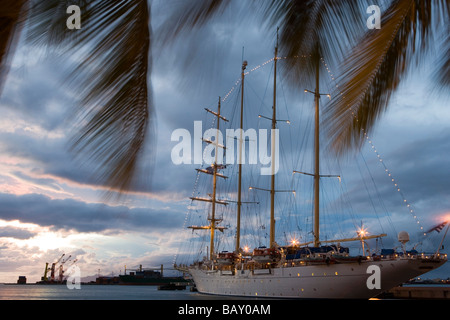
111 80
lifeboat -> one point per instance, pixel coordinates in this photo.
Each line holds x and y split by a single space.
265 255
347 258
225 258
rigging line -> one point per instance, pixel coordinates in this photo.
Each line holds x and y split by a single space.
380 199
368 194
303 143
234 114
188 212
342 193
331 207
262 104
345 194
288 116
300 184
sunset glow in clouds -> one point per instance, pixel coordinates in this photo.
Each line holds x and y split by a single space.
51 204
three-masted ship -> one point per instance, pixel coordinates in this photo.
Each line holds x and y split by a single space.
316 269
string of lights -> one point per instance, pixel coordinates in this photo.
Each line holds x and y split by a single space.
380 159
238 81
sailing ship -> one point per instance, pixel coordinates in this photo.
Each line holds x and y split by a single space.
315 269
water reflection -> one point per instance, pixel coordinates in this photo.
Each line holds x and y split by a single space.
91 292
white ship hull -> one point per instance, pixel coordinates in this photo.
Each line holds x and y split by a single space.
333 281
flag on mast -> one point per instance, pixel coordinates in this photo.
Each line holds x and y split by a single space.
438 228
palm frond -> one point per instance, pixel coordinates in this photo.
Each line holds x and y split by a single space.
12 14
111 77
442 70
374 69
322 27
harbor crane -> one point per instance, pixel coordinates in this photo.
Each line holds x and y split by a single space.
52 270
61 269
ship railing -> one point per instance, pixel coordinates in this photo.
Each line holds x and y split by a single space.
414 256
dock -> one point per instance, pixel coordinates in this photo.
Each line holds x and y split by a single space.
417 292
173 286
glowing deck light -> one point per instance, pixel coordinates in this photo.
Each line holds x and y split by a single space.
362 232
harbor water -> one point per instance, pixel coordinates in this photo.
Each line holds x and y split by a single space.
117 292
96 292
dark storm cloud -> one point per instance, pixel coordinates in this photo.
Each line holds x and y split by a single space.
49 155
425 164
423 171
36 93
71 214
17 233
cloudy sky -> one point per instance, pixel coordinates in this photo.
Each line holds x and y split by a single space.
50 204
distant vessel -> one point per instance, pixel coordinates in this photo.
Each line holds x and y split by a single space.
324 270
22 280
148 277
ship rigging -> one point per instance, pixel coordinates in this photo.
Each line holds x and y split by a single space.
295 270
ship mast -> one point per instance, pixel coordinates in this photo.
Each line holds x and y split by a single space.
316 174
213 220
213 210
239 201
274 123
316 158
273 152
316 229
